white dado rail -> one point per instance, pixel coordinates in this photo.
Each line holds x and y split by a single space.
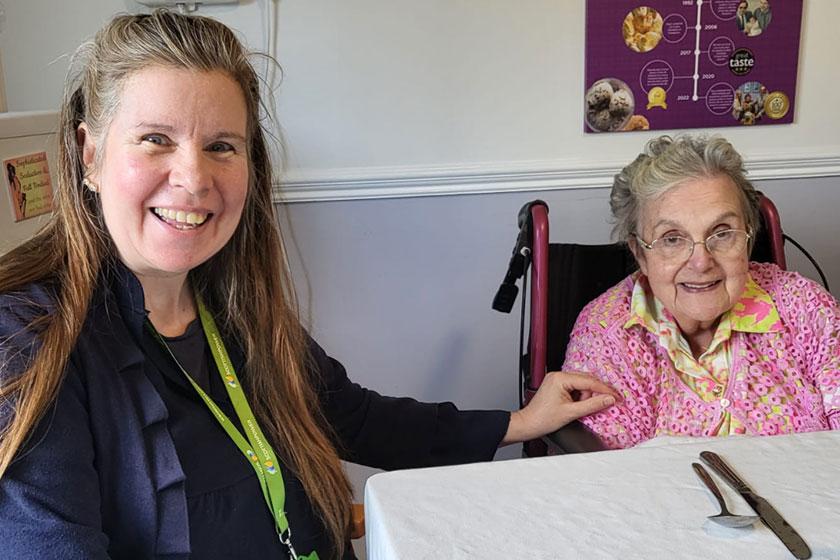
400 182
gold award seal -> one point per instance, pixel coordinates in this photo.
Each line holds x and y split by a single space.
656 98
776 105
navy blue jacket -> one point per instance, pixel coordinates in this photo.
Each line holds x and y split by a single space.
101 475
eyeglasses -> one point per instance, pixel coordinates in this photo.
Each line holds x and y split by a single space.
726 243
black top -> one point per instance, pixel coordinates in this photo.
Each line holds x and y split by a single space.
192 353
221 487
129 463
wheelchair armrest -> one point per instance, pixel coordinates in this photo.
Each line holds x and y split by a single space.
573 438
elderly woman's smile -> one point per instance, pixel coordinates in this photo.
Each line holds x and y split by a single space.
696 286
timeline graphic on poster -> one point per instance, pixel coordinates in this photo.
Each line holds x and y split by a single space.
668 64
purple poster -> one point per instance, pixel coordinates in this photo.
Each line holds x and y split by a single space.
665 64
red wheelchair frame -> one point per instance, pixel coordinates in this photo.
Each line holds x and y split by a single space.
534 242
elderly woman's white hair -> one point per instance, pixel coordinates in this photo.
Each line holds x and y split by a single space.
667 162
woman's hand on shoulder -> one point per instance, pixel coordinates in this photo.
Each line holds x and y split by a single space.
562 398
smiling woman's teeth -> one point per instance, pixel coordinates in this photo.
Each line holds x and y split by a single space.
699 286
181 219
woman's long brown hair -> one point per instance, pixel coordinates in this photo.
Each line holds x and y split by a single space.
247 284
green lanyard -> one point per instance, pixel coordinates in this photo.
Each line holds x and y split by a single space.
256 447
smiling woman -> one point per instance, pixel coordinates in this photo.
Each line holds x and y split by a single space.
697 285
159 397
164 207
172 178
701 341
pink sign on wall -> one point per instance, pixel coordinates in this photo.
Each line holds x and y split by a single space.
29 185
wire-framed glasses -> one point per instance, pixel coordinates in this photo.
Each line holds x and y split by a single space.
724 243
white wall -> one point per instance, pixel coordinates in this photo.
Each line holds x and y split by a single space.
410 98
403 84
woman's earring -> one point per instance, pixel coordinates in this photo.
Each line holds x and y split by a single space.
90 185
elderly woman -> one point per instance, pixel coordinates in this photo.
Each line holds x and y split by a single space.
700 341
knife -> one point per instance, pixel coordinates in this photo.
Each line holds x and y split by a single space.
768 514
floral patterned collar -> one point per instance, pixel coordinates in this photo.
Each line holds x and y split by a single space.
754 312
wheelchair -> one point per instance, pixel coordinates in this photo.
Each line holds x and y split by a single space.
564 278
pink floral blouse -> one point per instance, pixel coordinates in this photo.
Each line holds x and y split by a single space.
773 365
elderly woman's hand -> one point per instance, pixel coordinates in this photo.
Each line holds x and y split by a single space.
562 398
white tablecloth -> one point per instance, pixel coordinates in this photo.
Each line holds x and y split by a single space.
637 503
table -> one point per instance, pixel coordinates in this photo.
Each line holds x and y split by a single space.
644 502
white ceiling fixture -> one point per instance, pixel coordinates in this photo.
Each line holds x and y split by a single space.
185 6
